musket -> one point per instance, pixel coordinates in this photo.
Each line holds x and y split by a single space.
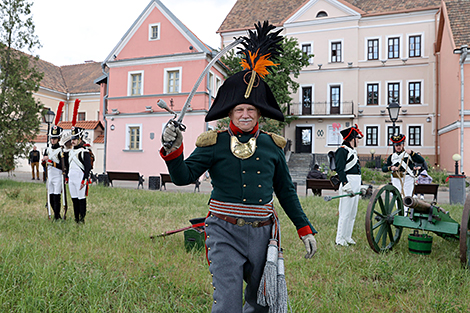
64 185
48 203
178 123
329 198
171 232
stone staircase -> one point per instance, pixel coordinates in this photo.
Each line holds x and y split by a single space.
300 164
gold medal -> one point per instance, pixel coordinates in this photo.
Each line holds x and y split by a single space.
243 150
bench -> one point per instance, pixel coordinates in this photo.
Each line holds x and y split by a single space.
132 176
429 189
166 178
319 184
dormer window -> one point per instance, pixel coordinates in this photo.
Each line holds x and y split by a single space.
322 14
154 31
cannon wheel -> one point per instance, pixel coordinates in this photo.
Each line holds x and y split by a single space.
381 234
465 234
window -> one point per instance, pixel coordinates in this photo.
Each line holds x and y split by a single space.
133 138
336 52
173 80
335 98
306 100
334 137
218 82
322 14
210 84
393 92
414 93
415 46
373 49
81 116
154 31
391 133
307 50
414 136
372 94
372 135
394 48
135 83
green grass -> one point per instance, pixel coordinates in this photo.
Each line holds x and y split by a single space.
111 265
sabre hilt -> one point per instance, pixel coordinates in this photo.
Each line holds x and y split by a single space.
179 125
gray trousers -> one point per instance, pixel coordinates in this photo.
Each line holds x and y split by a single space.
236 254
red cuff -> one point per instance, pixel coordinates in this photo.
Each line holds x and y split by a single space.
83 182
173 155
304 231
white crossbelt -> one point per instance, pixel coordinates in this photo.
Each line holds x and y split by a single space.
350 164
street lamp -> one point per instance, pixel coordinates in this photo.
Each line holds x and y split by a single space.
49 118
463 51
393 111
456 157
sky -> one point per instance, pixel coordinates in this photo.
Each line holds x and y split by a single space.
72 32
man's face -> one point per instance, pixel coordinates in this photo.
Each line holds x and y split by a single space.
244 116
54 140
399 148
34 148
75 142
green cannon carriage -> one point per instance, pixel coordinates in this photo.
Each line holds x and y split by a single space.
385 221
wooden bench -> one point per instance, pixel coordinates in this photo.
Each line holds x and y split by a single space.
166 178
132 176
428 189
319 184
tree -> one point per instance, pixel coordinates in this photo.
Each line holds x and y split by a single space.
19 79
280 80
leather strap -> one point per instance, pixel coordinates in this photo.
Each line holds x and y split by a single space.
241 222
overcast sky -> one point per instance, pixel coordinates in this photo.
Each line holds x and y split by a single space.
72 32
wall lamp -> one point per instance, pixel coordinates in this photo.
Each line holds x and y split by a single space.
115 111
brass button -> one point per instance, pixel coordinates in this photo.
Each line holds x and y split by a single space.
208 236
214 288
243 172
260 200
244 185
257 159
209 249
258 172
207 225
244 200
259 186
215 302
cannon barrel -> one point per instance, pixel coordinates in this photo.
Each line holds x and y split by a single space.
420 206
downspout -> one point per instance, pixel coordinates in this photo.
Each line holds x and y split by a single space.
438 114
463 57
105 99
67 107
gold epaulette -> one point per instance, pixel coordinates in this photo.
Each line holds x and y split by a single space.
206 139
278 140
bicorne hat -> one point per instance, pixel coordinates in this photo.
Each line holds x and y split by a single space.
351 133
248 86
398 139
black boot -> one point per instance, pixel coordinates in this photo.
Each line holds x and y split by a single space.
76 209
56 207
82 210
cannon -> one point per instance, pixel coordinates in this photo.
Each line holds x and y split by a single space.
385 221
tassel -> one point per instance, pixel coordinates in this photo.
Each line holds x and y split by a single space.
267 291
59 112
282 297
75 112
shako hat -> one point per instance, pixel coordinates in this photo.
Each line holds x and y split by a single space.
77 132
56 131
351 132
398 139
248 86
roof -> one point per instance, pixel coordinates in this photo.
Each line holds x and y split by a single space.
458 12
73 79
247 12
40 139
99 139
82 124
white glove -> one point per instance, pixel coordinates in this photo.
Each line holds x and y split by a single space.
347 188
171 134
310 245
364 189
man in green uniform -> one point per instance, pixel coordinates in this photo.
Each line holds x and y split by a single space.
245 165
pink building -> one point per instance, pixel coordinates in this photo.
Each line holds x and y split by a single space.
157 58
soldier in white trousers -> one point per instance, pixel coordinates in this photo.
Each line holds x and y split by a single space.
401 163
78 169
348 169
53 160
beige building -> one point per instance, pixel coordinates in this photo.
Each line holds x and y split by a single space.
366 53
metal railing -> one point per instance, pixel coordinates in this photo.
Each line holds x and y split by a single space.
321 108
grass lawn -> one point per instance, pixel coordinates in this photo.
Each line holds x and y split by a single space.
109 264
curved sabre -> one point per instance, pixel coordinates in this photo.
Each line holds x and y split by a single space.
203 74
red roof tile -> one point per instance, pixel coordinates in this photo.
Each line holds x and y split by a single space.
82 124
99 139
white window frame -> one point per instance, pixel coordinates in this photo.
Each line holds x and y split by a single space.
400 94
330 42
421 126
366 48
379 83
365 135
408 44
165 79
151 31
218 83
129 83
400 42
211 83
300 98
310 60
331 135
128 137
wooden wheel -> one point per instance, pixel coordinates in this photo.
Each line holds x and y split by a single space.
465 234
386 203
